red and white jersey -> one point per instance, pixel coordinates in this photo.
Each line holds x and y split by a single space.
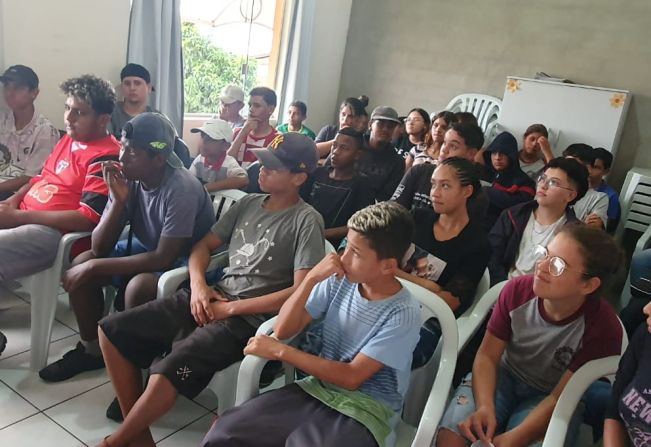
72 179
244 156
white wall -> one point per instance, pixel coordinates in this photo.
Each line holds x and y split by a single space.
425 52
60 39
327 56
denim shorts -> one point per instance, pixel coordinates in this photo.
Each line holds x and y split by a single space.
514 400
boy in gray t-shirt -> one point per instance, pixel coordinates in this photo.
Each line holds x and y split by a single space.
168 212
274 240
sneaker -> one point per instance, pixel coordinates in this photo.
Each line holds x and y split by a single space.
113 412
3 342
73 362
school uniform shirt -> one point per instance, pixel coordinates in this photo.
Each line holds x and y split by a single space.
539 350
72 179
630 401
337 200
457 264
244 156
223 168
23 152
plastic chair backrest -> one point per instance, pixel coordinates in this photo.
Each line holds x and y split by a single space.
574 390
473 318
635 201
485 108
432 305
225 199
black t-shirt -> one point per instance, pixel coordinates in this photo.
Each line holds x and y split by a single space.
456 265
630 401
414 188
337 200
384 169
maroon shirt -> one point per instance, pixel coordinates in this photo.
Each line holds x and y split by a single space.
540 350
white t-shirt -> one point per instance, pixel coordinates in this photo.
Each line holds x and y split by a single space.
24 151
534 234
594 202
208 174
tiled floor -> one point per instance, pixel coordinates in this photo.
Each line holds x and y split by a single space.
71 413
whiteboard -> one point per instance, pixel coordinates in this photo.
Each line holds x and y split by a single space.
574 113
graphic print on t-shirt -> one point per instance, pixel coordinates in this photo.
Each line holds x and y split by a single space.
250 250
639 405
420 263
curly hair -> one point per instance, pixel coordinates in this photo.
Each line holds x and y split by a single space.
94 91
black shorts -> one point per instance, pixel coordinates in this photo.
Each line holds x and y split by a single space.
163 336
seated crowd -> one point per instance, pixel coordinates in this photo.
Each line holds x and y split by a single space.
419 198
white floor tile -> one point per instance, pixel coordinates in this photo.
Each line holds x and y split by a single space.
208 399
190 436
13 408
37 431
15 372
84 416
15 324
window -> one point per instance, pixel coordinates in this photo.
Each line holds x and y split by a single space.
228 42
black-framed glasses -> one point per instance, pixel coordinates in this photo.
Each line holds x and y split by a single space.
556 265
550 182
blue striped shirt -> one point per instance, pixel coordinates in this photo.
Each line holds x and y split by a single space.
386 330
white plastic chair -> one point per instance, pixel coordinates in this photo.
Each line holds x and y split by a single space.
473 318
423 377
223 382
574 390
43 288
485 108
635 201
407 435
225 199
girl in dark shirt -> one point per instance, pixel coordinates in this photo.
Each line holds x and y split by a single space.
449 253
628 419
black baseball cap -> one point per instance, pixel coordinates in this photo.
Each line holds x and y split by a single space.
292 151
153 132
21 75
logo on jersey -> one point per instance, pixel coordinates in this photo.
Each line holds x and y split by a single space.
42 191
61 166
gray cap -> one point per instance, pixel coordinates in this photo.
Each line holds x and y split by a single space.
292 151
385 113
154 132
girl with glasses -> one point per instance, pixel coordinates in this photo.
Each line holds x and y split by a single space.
544 327
522 227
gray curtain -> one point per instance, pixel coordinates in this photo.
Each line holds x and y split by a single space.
155 43
295 56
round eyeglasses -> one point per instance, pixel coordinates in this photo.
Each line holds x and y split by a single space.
556 265
550 182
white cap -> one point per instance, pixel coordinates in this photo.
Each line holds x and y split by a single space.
216 129
230 94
